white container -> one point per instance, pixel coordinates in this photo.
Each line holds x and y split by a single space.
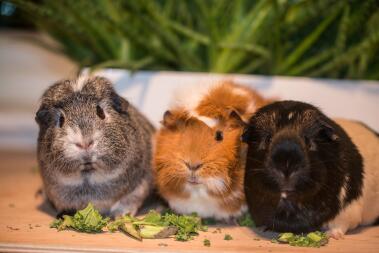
151 92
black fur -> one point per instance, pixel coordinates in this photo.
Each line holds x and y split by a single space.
295 149
376 223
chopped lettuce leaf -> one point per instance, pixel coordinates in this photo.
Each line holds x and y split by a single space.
228 237
152 226
157 232
313 239
153 217
188 225
207 243
246 221
131 230
88 220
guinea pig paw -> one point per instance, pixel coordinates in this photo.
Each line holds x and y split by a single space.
123 210
336 233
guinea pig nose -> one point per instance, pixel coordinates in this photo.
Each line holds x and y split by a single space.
84 144
287 145
194 166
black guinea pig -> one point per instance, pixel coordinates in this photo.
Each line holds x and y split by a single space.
304 172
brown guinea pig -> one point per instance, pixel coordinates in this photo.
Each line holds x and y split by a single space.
93 146
199 159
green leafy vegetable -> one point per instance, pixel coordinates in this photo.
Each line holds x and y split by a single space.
157 232
246 221
88 220
155 225
207 243
131 230
62 224
323 38
228 237
153 217
152 226
313 239
115 225
285 237
187 225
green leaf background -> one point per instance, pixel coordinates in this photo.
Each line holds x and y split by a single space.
316 38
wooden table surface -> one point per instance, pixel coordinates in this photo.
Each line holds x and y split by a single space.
25 219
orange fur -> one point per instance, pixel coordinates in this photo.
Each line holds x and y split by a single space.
222 97
186 139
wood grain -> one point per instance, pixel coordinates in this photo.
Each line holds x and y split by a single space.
25 219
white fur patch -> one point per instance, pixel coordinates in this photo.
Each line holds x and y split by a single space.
74 135
343 190
208 121
251 108
96 177
290 115
199 202
365 209
71 180
79 82
240 92
202 203
349 218
216 184
190 97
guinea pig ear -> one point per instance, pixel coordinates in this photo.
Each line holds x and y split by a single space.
327 131
119 103
235 119
43 116
50 116
169 119
172 119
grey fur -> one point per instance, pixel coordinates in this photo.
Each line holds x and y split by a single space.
124 147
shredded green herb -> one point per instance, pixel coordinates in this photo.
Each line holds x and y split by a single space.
152 226
88 220
228 237
246 221
188 225
207 243
313 239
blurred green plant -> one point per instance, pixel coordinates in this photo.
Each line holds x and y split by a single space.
317 38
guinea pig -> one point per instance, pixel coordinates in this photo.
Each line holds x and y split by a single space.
306 172
93 146
199 159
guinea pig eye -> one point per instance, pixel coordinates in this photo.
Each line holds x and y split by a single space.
264 143
61 120
100 112
310 144
219 136
268 138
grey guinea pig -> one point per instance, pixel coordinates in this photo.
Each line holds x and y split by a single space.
306 172
93 146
